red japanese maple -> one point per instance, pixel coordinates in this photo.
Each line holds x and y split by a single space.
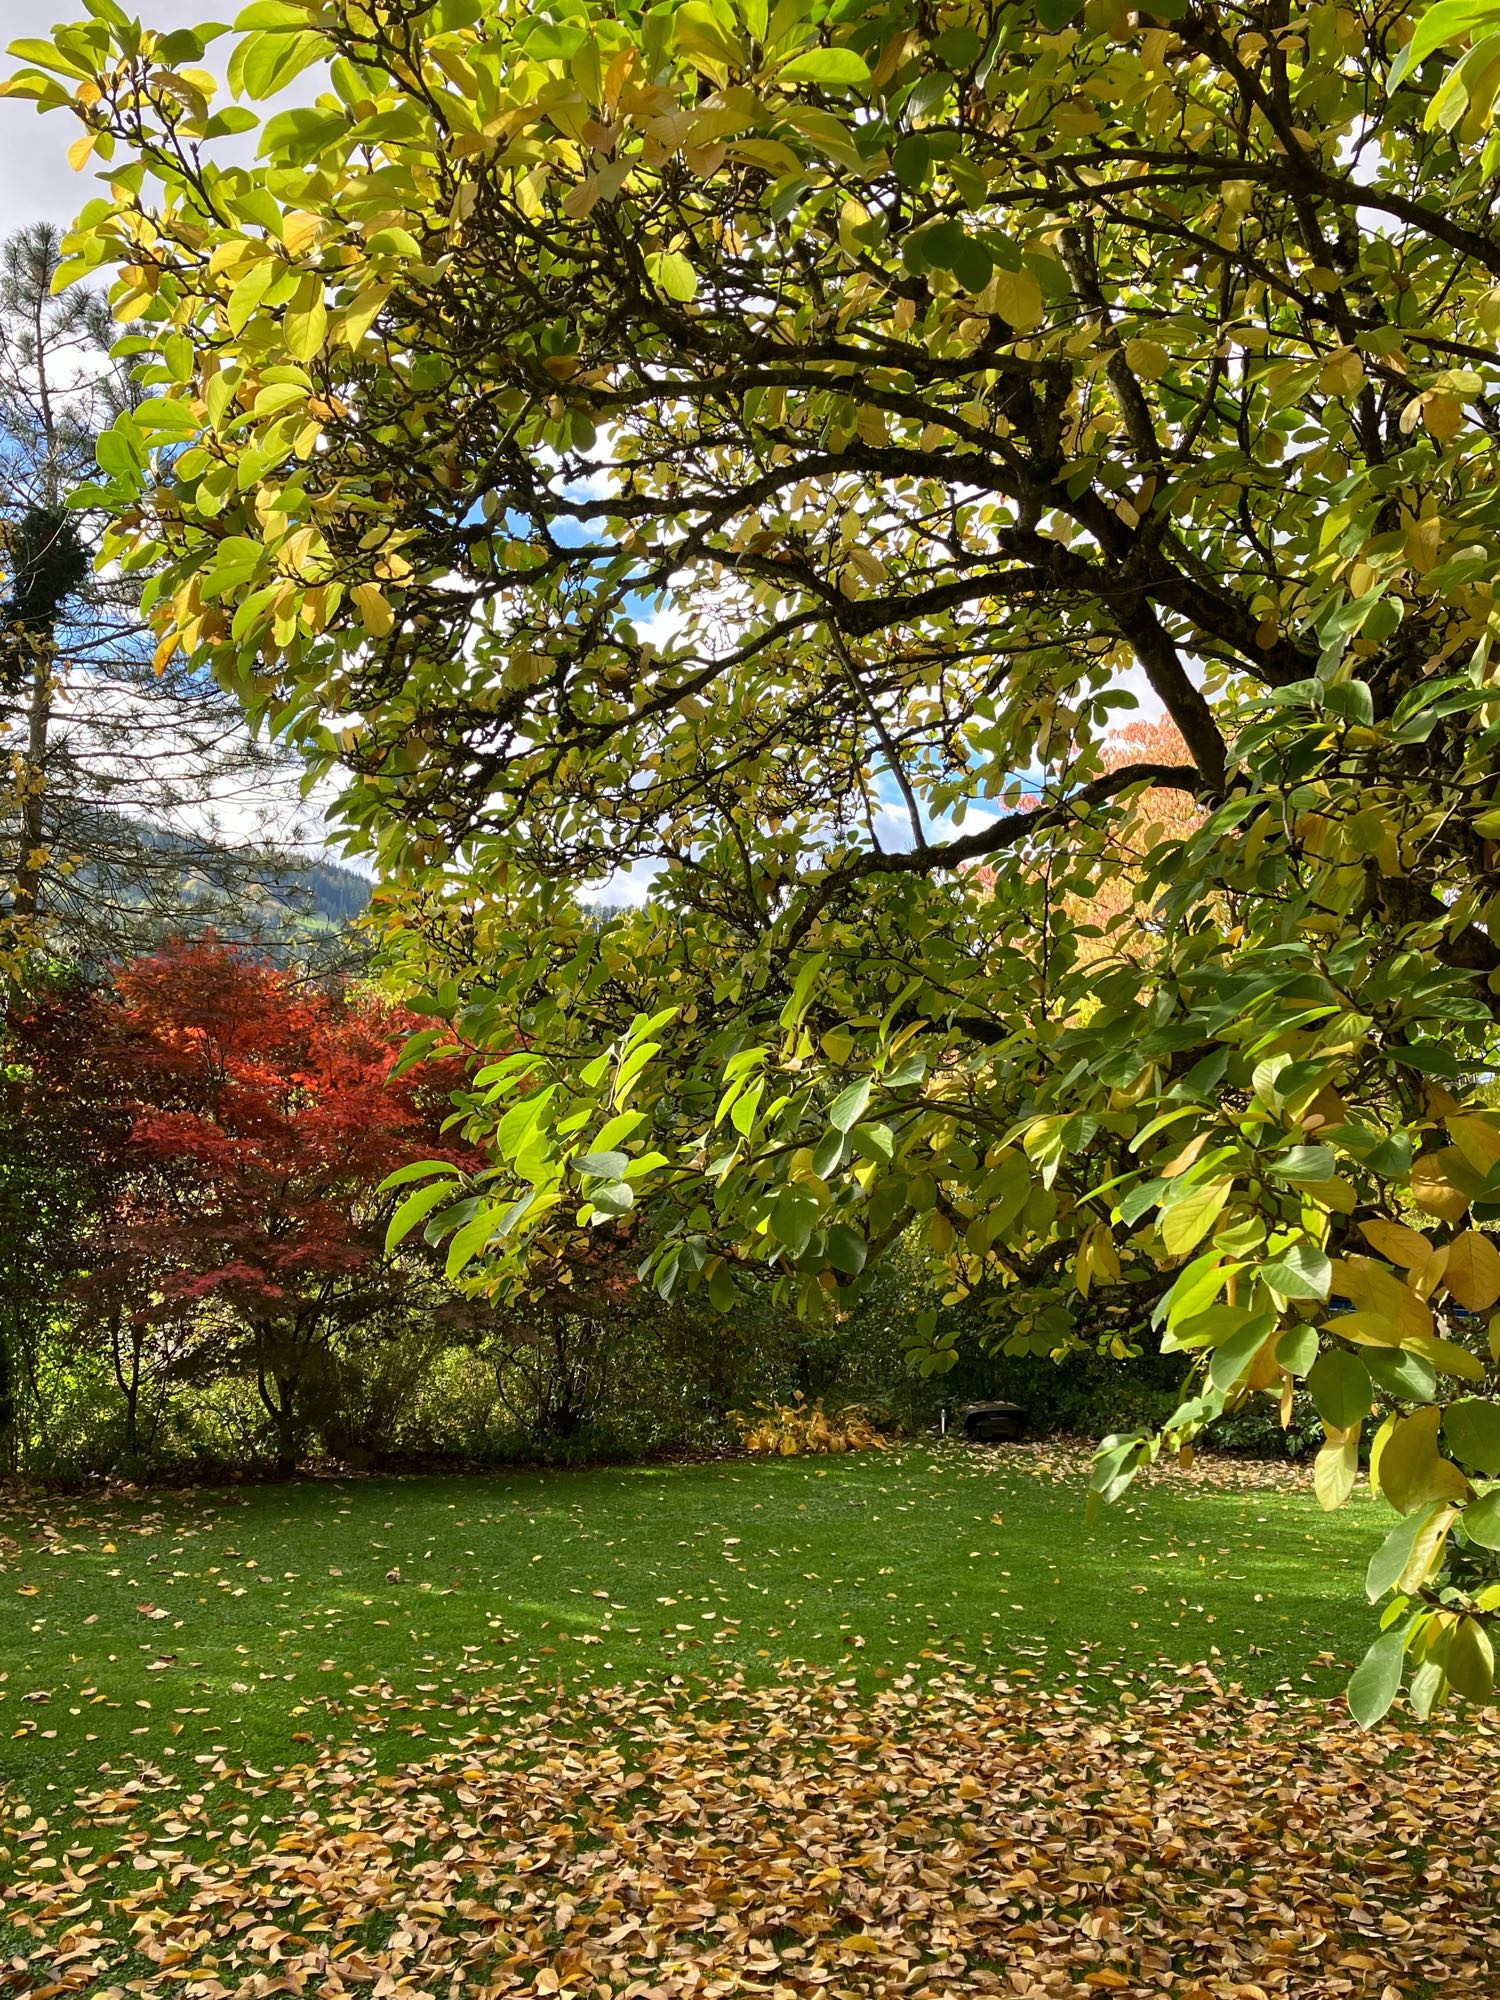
257 1114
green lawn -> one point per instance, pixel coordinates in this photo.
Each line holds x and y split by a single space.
243 1625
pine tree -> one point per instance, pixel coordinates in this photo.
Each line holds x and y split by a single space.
133 802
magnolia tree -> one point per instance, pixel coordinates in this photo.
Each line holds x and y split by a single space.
759 451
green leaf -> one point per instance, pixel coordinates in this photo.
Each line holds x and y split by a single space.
874 1142
1427 1685
1297 1349
836 68
959 47
1115 1465
612 1197
846 1250
1377 1679
1339 1384
47 54
1301 1272
1406 1377
1449 23
272 14
697 30
722 1292
250 290
911 160
1351 699
802 987
1231 1361
849 1106
469 1241
416 1206
1390 1559
267 62
794 1216
1198 1285
1481 1519
1471 1428
672 274
1304 1163
417 1170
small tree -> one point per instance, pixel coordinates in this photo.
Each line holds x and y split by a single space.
48 1201
254 1116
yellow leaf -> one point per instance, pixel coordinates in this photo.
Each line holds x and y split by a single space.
1180 1162
1264 1370
1147 358
1421 542
1188 1220
1343 374
1476 1137
1443 416
1412 1470
307 329
1370 1329
1403 1246
1427 1550
1434 1190
1473 1271
299 230
1375 1288
1016 296
1336 1468
374 608
1470 1665
356 319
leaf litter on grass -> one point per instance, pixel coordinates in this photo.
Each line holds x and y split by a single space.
955 1832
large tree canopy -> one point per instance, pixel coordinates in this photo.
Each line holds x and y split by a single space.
764 453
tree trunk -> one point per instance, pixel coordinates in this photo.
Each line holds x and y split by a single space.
30 788
278 1394
31 858
286 1430
129 1379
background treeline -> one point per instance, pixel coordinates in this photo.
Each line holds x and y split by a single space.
194 1271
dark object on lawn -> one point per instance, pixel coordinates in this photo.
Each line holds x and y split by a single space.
994 1423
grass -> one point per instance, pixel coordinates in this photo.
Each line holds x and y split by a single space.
241 1626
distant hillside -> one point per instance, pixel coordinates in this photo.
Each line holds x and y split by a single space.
144 883
339 894
279 904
